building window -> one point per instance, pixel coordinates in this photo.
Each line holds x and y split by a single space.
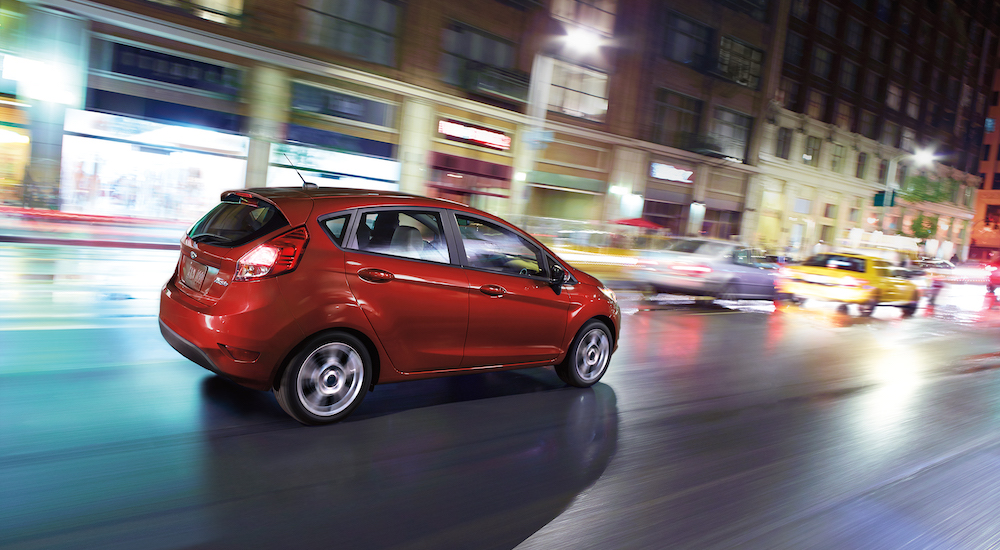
598 15
678 118
873 82
986 151
901 171
822 60
830 211
740 62
732 129
859 171
466 49
883 170
867 126
894 96
811 154
913 107
890 134
908 139
936 80
877 47
924 34
802 206
795 45
849 75
784 145
854 34
827 20
929 112
365 29
788 93
578 91
956 56
883 9
899 59
844 117
941 46
918 70
226 12
837 160
816 108
688 41
800 9
952 89
905 21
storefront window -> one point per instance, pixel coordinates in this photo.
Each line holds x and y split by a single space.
671 216
720 224
120 166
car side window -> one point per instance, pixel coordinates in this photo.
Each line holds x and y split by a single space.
336 227
742 256
408 234
496 248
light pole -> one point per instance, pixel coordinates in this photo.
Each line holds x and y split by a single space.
920 157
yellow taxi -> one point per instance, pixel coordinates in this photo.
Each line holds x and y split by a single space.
848 278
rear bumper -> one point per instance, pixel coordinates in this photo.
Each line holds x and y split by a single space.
256 323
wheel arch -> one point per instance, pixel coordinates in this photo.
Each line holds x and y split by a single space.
369 344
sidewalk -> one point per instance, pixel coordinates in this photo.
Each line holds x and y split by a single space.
38 226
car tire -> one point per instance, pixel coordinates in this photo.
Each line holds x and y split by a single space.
866 309
843 309
910 308
588 356
326 380
728 292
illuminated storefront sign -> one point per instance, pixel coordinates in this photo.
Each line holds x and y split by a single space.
474 134
154 133
335 162
670 173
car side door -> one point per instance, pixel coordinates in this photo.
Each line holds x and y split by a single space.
403 271
515 315
754 280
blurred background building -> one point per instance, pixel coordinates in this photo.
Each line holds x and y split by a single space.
774 122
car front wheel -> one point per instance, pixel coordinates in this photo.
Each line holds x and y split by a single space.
325 381
588 356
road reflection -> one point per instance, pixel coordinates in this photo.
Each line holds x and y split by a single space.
466 462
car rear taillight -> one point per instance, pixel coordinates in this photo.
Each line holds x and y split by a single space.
850 281
279 255
692 269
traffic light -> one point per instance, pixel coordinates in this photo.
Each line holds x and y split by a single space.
880 199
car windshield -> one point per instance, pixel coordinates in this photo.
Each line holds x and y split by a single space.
835 261
694 246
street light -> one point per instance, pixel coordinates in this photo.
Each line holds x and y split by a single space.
920 157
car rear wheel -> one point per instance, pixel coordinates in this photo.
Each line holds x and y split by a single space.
325 381
728 292
910 308
866 309
588 356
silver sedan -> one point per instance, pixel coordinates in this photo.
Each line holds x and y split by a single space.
708 267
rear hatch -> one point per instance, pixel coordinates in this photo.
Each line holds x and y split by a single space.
214 244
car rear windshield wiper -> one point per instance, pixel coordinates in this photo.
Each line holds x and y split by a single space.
205 237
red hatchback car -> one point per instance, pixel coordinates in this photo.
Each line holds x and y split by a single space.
319 294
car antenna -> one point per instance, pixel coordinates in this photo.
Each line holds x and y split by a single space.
305 184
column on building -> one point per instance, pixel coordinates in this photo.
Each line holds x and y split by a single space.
415 130
269 98
626 185
52 78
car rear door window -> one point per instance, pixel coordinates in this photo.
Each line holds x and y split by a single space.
237 220
496 248
406 233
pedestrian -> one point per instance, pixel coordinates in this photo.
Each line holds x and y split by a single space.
954 259
937 283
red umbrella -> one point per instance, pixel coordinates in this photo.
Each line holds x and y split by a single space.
639 222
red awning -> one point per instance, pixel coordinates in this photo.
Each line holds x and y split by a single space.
639 222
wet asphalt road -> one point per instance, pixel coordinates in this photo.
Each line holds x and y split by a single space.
715 427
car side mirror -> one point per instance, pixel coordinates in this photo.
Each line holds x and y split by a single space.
557 276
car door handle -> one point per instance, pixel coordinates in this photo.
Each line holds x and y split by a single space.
493 290
374 275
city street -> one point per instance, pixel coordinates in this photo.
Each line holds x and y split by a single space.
717 426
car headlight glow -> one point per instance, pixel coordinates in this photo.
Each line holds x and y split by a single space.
609 293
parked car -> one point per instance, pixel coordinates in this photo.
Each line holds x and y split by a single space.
320 294
850 279
699 266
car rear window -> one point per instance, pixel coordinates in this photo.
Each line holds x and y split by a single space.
237 220
834 261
